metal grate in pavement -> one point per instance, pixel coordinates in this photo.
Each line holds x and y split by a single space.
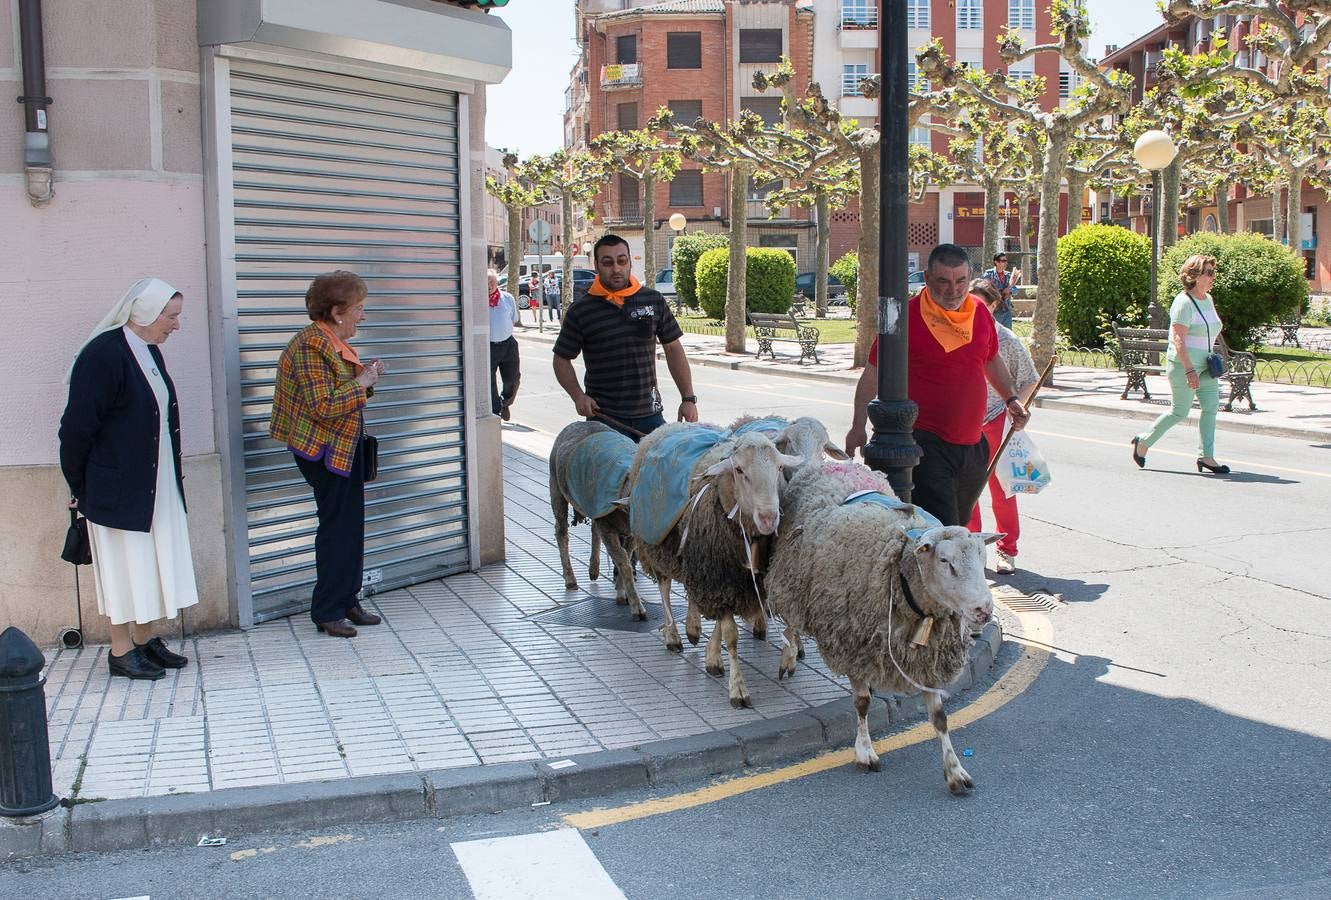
600 612
1036 601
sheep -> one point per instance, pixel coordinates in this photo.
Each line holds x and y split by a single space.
890 596
607 454
707 549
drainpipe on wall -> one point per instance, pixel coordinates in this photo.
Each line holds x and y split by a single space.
36 138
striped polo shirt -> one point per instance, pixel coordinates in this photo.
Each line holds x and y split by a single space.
618 346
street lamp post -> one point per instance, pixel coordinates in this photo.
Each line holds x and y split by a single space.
678 224
892 449
1154 151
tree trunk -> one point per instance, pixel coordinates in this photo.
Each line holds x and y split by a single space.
514 248
566 290
1046 297
1277 215
1169 204
1293 208
1222 208
993 198
736 283
1024 237
1076 191
648 208
823 210
866 287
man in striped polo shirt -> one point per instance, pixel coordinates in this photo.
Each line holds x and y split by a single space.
615 326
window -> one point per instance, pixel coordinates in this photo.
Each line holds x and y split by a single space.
1021 14
970 15
1022 73
914 80
684 50
851 76
686 111
627 116
626 49
1064 85
759 45
767 108
859 14
917 13
920 136
628 197
686 188
760 190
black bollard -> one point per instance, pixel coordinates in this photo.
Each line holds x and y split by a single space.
25 750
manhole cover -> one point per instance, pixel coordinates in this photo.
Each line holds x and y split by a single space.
600 612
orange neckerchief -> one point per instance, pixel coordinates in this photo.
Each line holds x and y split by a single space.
616 297
344 350
951 329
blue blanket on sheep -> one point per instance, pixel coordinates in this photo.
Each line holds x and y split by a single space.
595 472
771 426
662 489
887 501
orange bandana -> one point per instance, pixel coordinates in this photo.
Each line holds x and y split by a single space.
952 329
344 350
616 297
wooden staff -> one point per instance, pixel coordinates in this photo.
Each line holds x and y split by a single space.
608 420
993 463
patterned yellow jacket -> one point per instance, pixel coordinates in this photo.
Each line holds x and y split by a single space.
317 403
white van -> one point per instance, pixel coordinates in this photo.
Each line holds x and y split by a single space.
555 262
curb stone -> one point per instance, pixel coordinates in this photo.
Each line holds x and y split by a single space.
142 823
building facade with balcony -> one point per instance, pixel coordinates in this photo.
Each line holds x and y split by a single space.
698 58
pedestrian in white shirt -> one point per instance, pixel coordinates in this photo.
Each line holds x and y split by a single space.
503 348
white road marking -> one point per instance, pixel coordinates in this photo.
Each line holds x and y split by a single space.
549 865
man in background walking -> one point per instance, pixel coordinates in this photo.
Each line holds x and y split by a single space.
503 348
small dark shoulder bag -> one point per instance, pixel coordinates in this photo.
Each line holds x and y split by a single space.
1215 363
77 549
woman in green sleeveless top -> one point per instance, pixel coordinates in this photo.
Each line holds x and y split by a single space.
1193 327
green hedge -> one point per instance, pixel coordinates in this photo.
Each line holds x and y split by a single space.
847 271
684 259
1104 278
769 277
1257 281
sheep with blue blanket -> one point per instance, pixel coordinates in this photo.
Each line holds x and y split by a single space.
890 595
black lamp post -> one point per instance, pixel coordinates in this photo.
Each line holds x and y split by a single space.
892 448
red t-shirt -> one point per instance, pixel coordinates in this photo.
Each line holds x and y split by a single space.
949 388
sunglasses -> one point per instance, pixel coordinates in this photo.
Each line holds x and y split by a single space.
1210 272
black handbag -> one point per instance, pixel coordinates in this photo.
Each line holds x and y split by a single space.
369 452
1215 363
77 549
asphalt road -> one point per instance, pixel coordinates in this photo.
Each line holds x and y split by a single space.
1176 744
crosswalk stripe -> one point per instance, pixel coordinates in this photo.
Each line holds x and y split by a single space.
550 865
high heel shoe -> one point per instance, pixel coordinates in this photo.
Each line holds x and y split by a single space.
1218 470
1139 460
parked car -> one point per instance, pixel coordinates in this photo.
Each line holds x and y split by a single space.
804 283
914 283
665 283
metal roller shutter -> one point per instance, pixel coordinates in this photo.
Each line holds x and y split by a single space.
338 172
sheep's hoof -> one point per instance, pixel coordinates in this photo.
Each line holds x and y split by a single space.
716 669
960 783
760 634
641 616
694 637
673 645
593 574
570 584
622 601
873 766
785 671
799 654
741 703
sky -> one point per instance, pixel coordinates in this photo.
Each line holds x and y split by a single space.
525 113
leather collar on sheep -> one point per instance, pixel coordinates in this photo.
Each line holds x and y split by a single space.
910 598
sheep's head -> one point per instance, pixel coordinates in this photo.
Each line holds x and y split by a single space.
806 437
751 478
951 562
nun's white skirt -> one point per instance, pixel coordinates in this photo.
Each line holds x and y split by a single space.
146 576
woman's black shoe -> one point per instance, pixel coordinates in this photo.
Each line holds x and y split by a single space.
156 651
134 664
1139 460
1218 470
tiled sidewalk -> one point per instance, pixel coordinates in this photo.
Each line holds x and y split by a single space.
456 676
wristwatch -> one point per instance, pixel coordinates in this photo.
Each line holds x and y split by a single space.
691 398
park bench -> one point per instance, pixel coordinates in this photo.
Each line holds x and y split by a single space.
1287 329
771 327
1141 352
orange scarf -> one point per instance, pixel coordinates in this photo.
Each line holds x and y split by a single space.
952 329
616 297
344 350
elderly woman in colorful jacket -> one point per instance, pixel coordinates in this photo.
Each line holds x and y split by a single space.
120 453
322 387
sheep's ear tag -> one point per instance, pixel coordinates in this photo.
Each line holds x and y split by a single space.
923 631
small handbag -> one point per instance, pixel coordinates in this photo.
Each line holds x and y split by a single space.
369 451
77 549
1215 363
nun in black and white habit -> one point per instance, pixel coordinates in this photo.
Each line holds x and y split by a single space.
120 453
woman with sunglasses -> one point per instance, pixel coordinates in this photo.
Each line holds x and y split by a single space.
1194 325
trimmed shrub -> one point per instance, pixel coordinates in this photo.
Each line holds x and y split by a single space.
769 280
1104 278
847 271
1257 281
684 259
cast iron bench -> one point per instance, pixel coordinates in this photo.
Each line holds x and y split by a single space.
771 327
1287 328
1141 352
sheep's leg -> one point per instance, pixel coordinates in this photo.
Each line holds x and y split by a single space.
693 624
758 624
713 657
594 561
958 779
739 694
559 507
793 650
668 626
626 594
865 757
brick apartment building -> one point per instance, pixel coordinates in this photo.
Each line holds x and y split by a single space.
1247 212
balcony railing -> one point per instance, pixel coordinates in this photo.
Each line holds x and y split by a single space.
865 20
850 83
625 75
627 212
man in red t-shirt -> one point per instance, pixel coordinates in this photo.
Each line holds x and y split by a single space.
953 353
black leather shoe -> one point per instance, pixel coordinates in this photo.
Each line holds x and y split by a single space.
156 651
359 616
1139 460
336 628
1218 470
134 664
